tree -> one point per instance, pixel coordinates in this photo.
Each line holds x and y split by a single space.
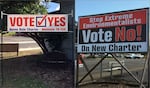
23 7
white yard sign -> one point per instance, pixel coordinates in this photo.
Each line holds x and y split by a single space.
37 23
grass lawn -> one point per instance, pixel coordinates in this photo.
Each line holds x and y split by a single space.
23 82
23 71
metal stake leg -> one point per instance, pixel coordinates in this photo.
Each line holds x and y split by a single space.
92 69
145 67
132 75
2 78
77 71
87 69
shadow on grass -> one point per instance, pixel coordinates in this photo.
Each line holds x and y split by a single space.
31 72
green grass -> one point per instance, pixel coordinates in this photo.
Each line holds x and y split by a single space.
7 55
10 34
23 82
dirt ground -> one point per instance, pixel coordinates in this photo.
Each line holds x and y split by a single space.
29 72
106 86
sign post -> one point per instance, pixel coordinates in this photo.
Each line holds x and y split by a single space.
1 57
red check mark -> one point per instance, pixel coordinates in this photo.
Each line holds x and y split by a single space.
43 18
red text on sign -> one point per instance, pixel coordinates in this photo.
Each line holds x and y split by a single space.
21 21
56 21
123 34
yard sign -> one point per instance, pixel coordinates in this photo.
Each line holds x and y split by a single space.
125 31
37 23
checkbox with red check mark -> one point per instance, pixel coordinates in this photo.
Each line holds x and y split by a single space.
41 21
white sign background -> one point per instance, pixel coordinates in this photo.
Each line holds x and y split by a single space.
37 23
